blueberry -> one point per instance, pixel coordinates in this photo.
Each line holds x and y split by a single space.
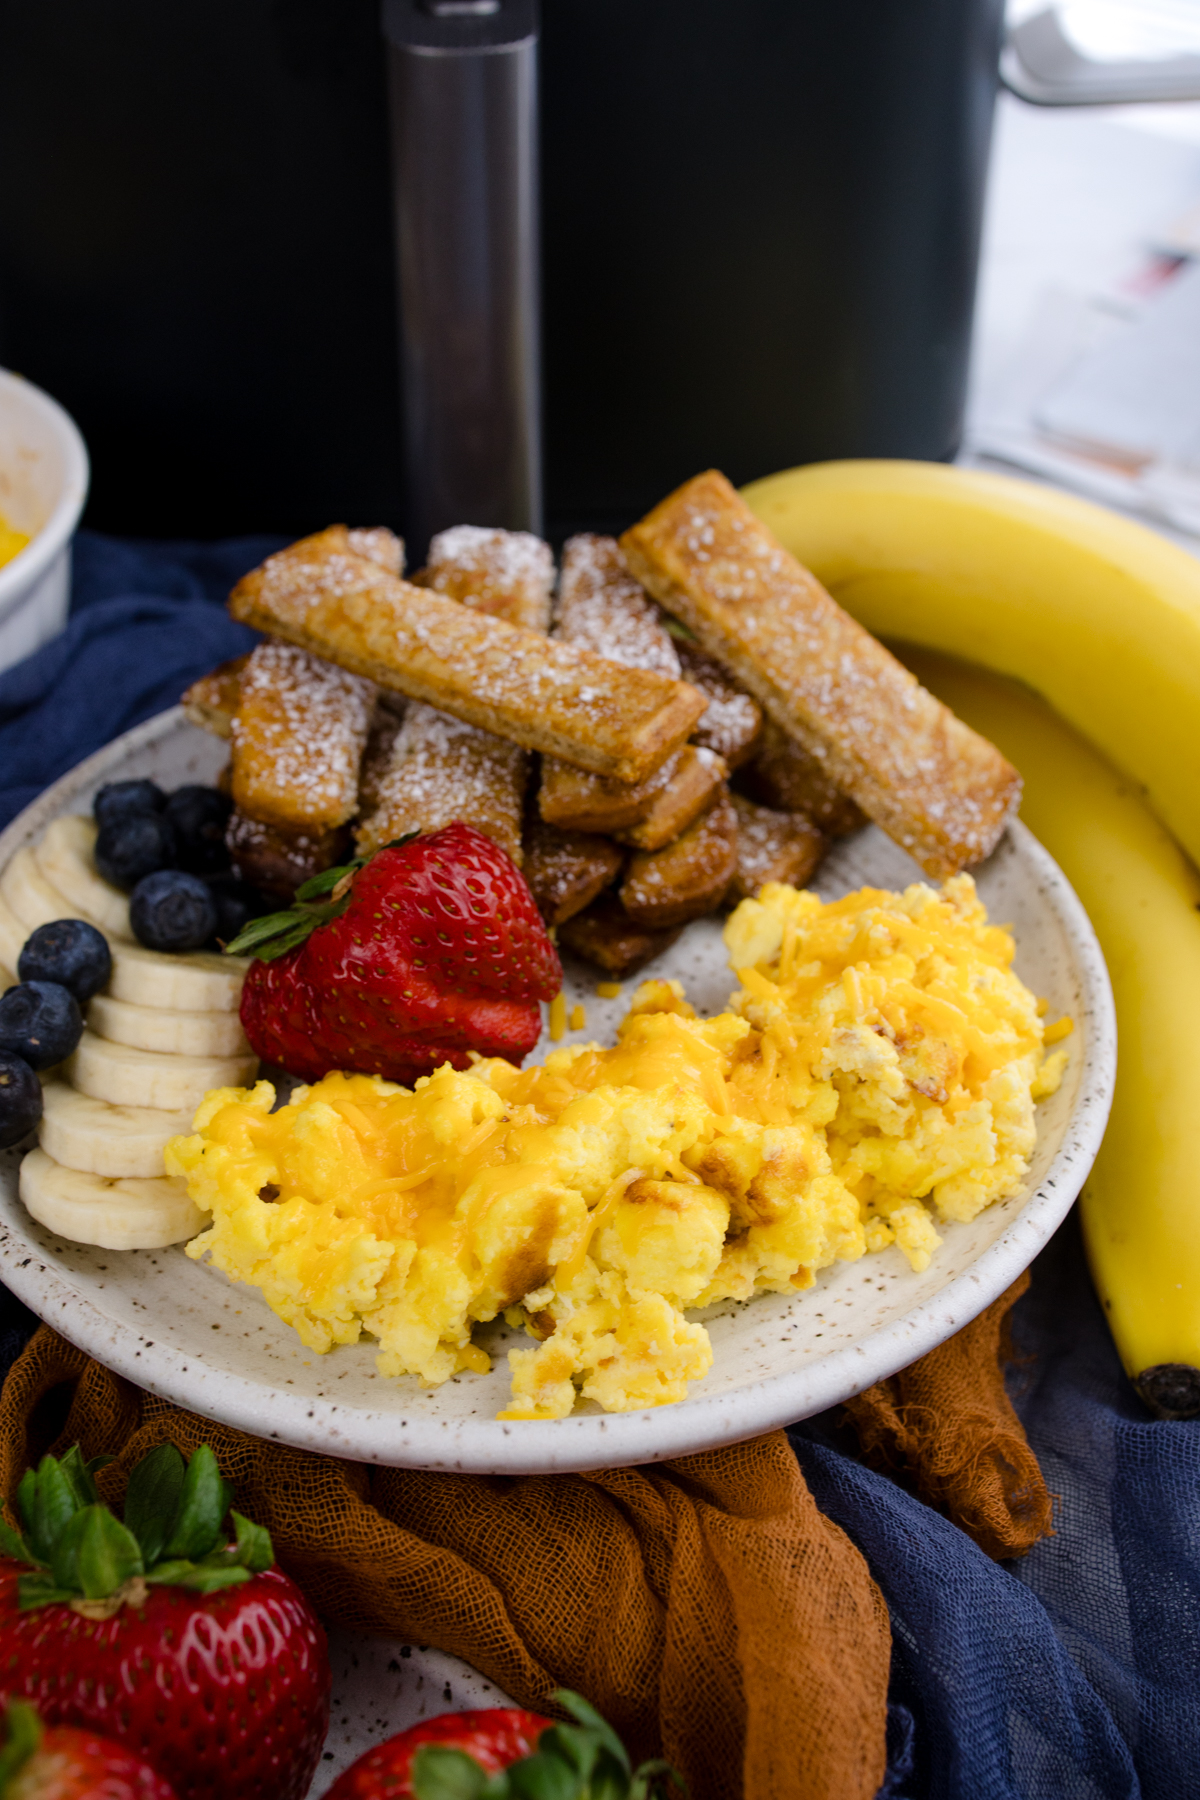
172 910
20 1099
135 846
70 952
40 1021
199 816
121 799
236 903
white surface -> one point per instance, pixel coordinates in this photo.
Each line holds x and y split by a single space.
181 1330
43 484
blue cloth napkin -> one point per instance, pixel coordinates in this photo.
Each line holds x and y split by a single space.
1072 1674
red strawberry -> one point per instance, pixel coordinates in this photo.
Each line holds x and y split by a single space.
432 948
503 1754
197 1653
494 1738
57 1762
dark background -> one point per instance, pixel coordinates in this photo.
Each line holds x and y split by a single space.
761 222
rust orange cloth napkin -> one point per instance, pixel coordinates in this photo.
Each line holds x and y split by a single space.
706 1606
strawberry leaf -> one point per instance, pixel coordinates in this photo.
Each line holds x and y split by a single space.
27 1500
204 1579
544 1776
14 1545
203 1503
54 1504
40 1590
440 1773
79 1477
95 1554
254 1548
590 1719
319 885
152 1499
23 1734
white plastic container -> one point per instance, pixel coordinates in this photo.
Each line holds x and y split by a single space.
43 485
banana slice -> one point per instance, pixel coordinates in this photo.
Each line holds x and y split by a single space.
193 981
66 857
12 936
98 1138
128 1077
116 1214
33 899
164 1029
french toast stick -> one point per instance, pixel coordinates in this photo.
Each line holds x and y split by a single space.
378 545
786 778
603 608
938 789
772 846
604 934
441 770
438 769
509 574
566 869
578 801
298 737
212 701
278 861
502 678
732 722
665 888
694 781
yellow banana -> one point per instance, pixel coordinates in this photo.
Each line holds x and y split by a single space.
986 567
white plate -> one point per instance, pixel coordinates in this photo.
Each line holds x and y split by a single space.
183 1331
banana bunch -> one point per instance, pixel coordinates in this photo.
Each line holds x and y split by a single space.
1102 619
164 1033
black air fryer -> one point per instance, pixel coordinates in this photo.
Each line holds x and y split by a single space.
759 224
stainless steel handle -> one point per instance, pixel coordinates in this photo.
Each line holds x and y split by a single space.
1039 63
462 80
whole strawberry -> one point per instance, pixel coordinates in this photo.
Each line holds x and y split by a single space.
494 1738
195 1652
60 1762
429 950
503 1754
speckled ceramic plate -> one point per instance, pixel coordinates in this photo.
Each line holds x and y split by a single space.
181 1330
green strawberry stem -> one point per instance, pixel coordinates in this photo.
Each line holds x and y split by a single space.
174 1533
276 933
22 1735
584 1761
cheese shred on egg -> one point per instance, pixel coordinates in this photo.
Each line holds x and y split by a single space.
875 1074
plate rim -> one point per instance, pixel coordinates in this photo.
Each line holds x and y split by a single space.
582 1441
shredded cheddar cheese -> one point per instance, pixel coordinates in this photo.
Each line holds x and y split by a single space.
875 1074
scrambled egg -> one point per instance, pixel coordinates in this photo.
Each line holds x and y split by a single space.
876 1072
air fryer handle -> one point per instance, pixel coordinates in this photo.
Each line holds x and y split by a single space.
1040 64
462 78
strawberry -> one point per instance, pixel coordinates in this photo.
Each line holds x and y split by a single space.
494 1738
503 1754
60 1763
428 950
195 1652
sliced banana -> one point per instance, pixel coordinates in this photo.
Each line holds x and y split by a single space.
66 857
192 981
129 1077
12 936
33 899
98 1138
162 1028
114 1213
